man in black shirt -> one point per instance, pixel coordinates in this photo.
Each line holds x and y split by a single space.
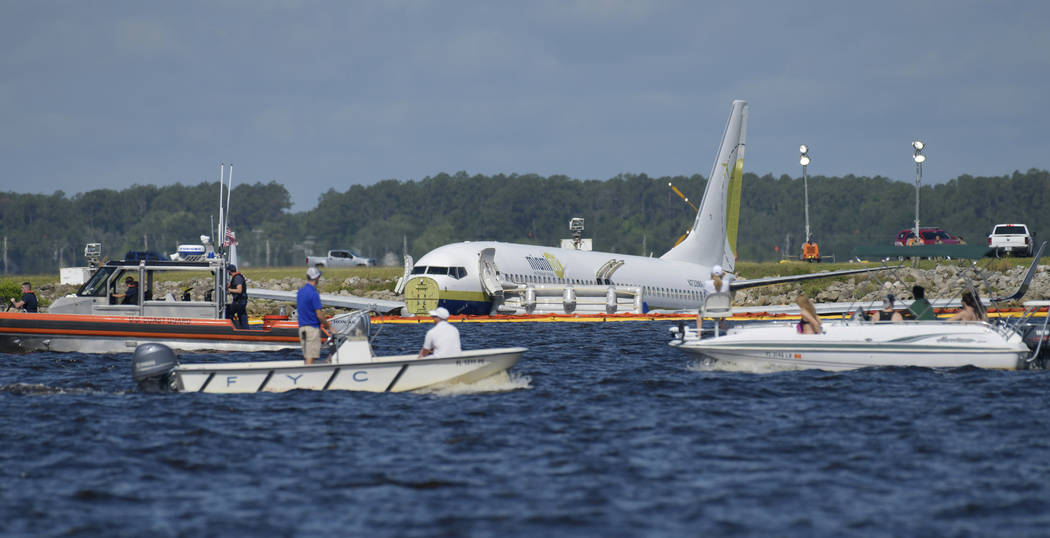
238 307
28 302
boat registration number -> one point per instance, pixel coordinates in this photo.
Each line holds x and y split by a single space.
782 355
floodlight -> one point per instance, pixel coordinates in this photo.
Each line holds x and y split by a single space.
803 160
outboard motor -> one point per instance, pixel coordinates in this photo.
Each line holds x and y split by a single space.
151 367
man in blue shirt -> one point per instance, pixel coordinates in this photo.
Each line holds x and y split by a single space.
308 303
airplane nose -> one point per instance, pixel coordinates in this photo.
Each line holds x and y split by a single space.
421 295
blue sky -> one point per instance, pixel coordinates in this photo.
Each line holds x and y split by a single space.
324 95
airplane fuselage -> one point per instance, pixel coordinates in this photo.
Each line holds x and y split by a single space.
450 276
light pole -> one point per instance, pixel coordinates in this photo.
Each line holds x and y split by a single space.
919 159
803 159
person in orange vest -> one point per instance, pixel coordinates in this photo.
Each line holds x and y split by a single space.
810 251
28 302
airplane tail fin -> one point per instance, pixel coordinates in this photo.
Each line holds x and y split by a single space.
712 239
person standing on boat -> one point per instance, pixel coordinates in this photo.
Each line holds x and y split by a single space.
28 302
921 308
311 319
441 340
237 310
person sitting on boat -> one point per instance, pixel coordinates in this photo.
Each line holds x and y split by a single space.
810 322
311 319
131 294
888 313
971 310
718 282
237 310
442 339
920 308
28 302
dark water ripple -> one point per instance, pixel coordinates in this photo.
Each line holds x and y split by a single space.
615 435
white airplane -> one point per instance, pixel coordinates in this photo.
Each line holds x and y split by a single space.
489 277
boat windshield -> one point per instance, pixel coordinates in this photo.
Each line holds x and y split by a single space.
96 285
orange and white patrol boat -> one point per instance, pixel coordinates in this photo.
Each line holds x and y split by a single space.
89 321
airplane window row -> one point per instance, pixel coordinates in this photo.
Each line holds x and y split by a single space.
647 290
454 272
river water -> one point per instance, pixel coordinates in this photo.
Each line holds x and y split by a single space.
601 430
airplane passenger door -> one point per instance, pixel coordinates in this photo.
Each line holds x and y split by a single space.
488 273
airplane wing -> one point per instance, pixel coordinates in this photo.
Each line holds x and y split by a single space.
381 306
769 281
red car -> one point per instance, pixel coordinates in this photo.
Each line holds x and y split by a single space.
927 236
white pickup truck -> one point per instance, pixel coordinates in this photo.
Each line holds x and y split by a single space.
1010 238
339 258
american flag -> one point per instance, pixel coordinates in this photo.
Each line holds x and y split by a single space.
231 238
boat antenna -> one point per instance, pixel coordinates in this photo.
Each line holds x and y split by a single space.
229 194
222 178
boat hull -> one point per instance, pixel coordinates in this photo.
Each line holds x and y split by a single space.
384 374
847 346
21 332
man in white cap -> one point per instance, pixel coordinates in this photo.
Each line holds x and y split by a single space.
443 339
308 304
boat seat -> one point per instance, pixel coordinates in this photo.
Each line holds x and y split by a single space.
718 306
169 297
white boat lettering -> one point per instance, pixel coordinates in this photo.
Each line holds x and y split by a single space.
231 379
361 376
956 340
294 378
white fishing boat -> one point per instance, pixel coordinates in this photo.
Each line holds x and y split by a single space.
848 344
350 366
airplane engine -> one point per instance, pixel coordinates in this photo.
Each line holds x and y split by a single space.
530 299
568 300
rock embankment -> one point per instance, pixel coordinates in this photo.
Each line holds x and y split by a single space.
940 282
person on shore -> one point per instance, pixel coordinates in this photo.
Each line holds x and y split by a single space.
442 339
311 319
888 312
237 310
28 302
809 323
920 308
971 310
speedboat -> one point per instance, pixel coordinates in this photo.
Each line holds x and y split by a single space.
847 344
350 366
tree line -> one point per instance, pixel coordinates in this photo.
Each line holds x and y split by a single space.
629 213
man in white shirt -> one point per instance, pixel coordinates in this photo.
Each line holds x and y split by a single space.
443 339
718 282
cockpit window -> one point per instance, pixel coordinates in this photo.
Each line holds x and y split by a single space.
96 286
419 270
